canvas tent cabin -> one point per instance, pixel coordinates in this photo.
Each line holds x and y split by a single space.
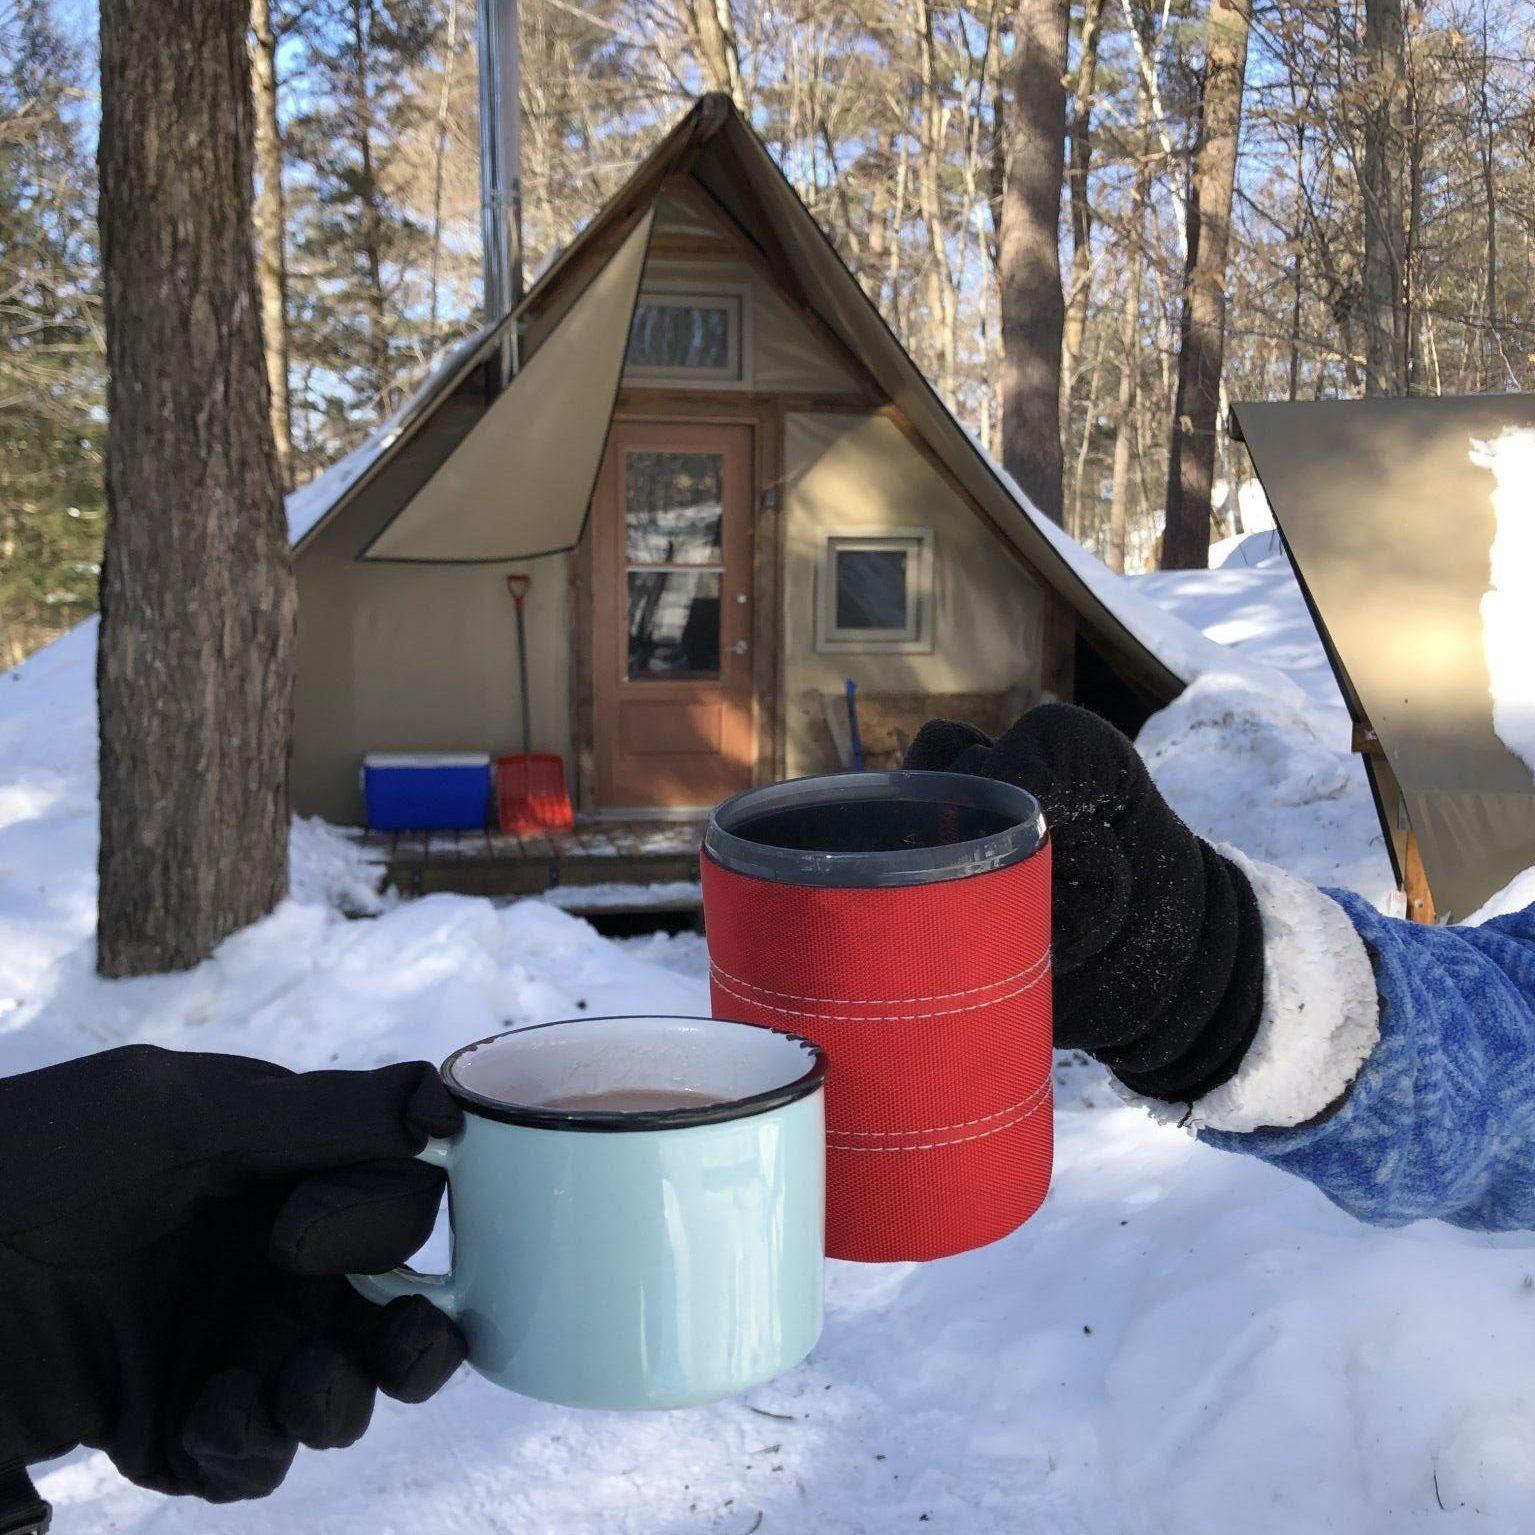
1411 527
733 490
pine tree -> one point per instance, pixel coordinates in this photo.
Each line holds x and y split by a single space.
358 242
51 376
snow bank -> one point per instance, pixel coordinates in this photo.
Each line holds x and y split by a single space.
329 866
1257 615
1249 551
1263 774
1271 773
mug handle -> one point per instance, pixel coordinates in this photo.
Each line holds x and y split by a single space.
437 1288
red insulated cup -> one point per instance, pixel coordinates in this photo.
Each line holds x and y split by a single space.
901 921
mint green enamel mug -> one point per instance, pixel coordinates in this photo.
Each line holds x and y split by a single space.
633 1257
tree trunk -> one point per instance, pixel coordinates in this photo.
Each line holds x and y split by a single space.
1384 265
932 166
1033 310
1130 342
271 231
714 35
1191 462
1496 365
195 667
380 375
1079 168
439 162
1297 245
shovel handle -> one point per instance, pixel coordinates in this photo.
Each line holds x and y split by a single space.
518 585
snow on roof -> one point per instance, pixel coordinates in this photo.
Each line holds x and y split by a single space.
1180 647
311 501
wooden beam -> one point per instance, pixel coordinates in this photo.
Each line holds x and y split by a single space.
583 748
640 402
1420 900
1365 742
1058 665
681 247
767 603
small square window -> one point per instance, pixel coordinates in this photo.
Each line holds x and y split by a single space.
876 593
873 590
697 337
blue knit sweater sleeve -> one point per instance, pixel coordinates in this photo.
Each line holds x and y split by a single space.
1440 1121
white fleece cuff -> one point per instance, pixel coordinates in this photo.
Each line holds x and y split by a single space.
1320 1020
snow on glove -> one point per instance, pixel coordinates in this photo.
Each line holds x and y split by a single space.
1157 943
173 1228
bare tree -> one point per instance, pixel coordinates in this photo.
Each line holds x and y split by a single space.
1382 205
1033 311
271 230
439 164
1129 332
1191 463
1079 169
714 34
195 667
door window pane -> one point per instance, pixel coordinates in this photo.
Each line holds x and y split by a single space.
674 624
674 503
872 589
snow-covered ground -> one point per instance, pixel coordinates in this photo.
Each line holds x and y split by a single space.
1181 1340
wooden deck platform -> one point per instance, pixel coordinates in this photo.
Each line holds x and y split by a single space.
489 863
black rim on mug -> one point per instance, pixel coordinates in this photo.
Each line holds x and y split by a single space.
770 833
542 1116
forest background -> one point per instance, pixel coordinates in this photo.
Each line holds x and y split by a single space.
1378 157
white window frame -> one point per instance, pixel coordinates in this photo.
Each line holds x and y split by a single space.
917 638
737 373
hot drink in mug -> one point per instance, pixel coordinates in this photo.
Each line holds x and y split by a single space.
638 1209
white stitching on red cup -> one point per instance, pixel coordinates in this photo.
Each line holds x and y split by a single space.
937 1012
957 1140
1029 1100
936 996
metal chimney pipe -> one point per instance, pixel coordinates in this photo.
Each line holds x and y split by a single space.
500 155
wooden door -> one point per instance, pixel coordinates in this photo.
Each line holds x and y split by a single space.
672 619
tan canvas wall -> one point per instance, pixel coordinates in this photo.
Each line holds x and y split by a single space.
1391 509
859 474
676 217
785 355
419 658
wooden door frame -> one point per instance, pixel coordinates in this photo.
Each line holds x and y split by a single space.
764 506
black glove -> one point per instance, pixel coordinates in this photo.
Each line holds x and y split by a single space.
172 1232
1157 944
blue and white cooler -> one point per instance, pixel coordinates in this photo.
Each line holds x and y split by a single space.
426 791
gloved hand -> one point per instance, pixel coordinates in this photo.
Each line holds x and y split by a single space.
1157 944
173 1228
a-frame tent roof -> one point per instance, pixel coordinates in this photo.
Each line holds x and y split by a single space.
716 148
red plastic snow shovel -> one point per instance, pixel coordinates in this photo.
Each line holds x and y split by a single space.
530 788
